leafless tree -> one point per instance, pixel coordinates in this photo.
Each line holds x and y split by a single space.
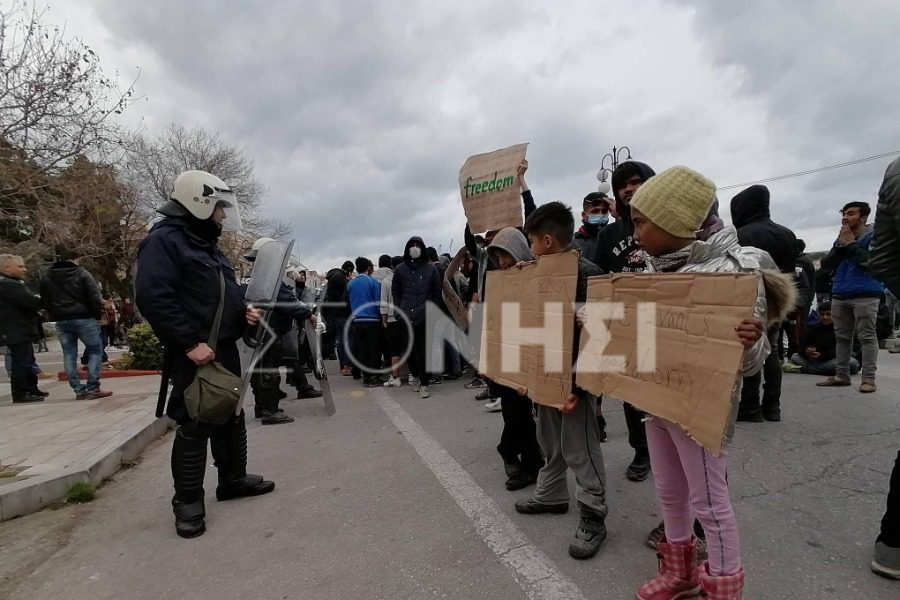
153 163
55 101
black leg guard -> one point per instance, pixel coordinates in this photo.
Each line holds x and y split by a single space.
188 468
229 448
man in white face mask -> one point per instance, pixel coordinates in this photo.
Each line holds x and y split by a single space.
595 215
416 282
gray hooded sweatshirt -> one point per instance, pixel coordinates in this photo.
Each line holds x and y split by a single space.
513 242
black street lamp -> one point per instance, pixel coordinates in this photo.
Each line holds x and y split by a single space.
614 158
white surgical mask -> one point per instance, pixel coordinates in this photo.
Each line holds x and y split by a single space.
415 252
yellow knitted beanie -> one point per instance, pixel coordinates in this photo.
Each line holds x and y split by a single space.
677 200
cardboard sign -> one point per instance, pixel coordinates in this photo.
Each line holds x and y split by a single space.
489 189
679 359
528 330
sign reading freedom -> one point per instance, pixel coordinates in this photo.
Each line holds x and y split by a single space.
685 365
487 185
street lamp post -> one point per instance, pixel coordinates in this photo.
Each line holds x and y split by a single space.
614 158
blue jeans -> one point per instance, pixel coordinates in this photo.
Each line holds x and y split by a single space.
88 331
828 367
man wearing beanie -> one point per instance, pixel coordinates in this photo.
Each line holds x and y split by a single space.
750 213
617 252
667 212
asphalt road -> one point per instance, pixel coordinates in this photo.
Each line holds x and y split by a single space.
398 497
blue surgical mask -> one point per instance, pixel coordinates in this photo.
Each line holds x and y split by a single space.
601 219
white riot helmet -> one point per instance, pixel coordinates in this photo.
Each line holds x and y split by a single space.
200 193
251 256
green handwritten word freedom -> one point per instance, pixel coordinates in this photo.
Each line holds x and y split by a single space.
494 185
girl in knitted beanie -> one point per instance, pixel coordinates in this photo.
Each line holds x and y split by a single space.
668 211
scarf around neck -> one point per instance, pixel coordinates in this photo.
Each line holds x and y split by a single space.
669 263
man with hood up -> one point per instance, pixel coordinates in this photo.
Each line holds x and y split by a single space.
617 252
750 214
522 458
416 282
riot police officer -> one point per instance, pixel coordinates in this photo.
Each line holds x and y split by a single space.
281 320
177 290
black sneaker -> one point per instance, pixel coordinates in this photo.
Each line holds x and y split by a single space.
27 398
589 536
530 506
656 535
750 416
309 392
276 418
639 469
521 481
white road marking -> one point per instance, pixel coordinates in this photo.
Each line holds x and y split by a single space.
533 570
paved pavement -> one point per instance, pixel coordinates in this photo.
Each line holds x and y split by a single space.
47 447
398 497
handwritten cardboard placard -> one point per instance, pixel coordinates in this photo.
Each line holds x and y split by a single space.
678 358
528 330
490 194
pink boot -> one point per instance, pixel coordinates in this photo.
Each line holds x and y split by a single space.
678 576
727 587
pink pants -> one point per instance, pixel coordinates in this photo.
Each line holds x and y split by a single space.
691 482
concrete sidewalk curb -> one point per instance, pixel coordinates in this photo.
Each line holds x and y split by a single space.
34 493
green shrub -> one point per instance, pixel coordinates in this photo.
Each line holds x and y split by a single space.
81 493
145 351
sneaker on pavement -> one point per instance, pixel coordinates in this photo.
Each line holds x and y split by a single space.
483 395
423 392
886 561
520 481
28 398
867 386
476 382
834 382
309 392
276 418
493 406
589 536
530 506
346 371
95 395
639 469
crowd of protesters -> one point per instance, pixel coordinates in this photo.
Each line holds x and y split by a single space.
822 321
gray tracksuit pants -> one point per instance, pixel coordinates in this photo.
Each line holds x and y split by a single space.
571 441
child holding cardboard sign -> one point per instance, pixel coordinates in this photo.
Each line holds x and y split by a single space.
667 211
570 438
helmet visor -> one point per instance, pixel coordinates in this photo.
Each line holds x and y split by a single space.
226 200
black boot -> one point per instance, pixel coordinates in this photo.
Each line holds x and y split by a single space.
749 409
639 469
229 448
188 468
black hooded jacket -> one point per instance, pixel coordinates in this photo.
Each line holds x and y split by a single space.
415 283
884 262
616 250
69 292
336 294
177 287
750 215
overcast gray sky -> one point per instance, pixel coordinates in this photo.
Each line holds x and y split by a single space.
359 114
